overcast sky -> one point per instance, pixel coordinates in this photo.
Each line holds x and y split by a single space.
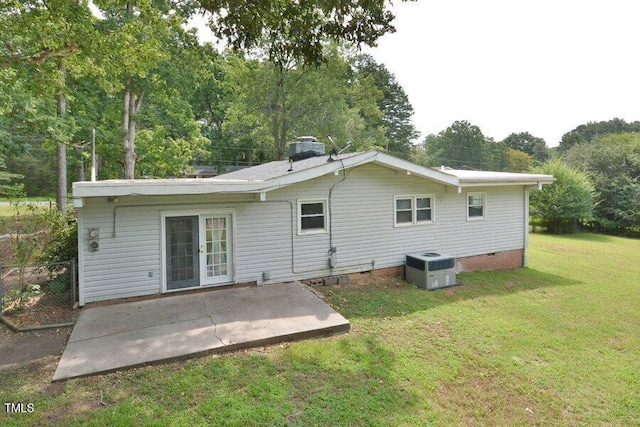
541 66
507 66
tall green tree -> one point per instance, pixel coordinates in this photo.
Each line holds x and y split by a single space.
612 163
298 30
461 145
45 43
276 103
397 112
133 44
527 143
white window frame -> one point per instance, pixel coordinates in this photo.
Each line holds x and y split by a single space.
325 213
414 209
483 194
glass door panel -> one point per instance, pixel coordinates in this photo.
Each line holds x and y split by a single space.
182 259
215 247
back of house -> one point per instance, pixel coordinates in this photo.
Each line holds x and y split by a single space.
312 216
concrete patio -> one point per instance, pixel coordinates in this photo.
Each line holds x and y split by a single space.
109 338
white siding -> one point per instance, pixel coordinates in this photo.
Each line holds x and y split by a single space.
362 219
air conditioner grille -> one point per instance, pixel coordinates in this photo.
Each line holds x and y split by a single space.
416 263
441 264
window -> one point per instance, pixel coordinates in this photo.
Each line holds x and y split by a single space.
476 207
404 211
411 210
312 216
423 209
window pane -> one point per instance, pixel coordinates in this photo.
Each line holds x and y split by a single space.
424 215
312 208
402 204
475 211
475 200
312 223
422 203
403 216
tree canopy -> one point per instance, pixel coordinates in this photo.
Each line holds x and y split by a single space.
612 163
298 30
527 143
588 132
129 70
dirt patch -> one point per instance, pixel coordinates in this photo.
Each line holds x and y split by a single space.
7 249
44 309
18 349
34 296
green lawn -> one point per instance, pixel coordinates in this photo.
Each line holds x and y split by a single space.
557 343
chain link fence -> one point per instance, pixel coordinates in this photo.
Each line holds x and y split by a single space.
38 296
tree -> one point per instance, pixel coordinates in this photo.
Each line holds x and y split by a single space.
461 145
613 164
394 104
527 143
133 46
565 204
587 133
44 42
518 161
293 36
5 177
298 30
495 155
276 102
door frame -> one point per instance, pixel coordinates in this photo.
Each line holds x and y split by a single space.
163 244
202 254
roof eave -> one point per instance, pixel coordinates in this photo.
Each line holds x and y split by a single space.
161 188
503 182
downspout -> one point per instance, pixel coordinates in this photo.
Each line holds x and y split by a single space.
80 265
526 226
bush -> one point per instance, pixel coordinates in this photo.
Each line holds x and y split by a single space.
62 240
42 235
560 207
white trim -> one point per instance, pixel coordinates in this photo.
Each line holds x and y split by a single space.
414 209
198 213
484 205
325 211
395 211
202 232
159 187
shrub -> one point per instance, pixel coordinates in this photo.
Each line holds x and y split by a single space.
62 238
560 207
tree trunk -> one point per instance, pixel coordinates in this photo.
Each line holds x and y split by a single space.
82 170
130 107
280 116
62 147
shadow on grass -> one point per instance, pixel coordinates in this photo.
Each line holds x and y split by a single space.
582 236
395 297
349 382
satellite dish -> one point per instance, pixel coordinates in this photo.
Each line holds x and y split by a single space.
334 149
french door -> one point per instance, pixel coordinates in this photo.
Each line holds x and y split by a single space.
198 250
215 249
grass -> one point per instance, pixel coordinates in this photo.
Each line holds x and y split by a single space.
557 343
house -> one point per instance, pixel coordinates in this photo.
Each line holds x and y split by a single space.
310 217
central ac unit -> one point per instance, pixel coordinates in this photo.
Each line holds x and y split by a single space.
430 270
